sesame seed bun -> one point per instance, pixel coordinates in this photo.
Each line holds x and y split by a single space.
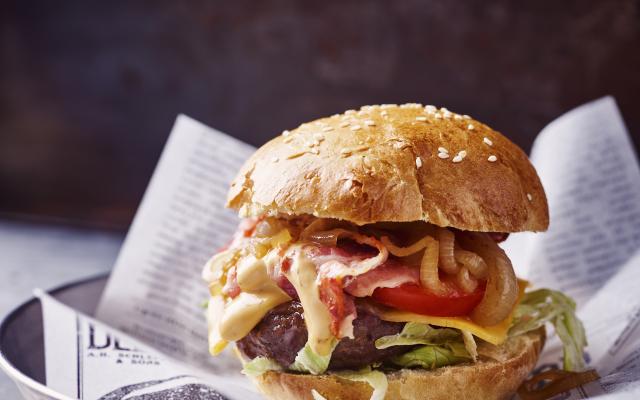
395 163
497 375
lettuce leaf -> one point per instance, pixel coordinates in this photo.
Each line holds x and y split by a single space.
442 346
433 356
308 361
470 344
376 379
545 305
260 365
417 333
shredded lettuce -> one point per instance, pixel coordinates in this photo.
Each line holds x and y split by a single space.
442 346
470 344
433 356
545 305
376 379
417 333
260 365
308 361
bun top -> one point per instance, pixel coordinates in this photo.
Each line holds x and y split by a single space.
395 163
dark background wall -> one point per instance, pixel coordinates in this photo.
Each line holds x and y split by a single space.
89 90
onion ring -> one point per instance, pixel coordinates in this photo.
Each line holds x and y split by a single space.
465 281
447 259
429 268
501 293
473 262
405 251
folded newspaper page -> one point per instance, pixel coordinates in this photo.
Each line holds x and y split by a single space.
585 161
86 359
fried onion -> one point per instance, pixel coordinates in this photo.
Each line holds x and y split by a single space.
465 281
473 262
501 292
405 251
447 259
429 268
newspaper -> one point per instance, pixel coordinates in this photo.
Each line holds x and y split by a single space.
591 176
86 359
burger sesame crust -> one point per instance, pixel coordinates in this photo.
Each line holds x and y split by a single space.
395 163
497 375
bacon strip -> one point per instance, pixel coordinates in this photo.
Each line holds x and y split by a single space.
390 274
339 304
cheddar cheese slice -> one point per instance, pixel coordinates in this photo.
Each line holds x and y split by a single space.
495 334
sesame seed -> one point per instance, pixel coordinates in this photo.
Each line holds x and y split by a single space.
442 150
327 129
384 106
335 115
285 133
345 151
529 196
295 155
492 158
400 145
470 127
369 123
344 124
355 128
447 115
457 116
487 141
350 112
318 137
384 113
421 118
462 153
275 159
430 108
438 116
288 139
361 112
316 143
418 162
443 155
466 116
457 159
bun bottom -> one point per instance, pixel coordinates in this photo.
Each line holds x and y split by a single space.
497 375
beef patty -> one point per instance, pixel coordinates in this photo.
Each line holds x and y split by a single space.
282 333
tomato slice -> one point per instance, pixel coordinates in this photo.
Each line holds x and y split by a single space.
417 299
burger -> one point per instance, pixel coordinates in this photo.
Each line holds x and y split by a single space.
368 264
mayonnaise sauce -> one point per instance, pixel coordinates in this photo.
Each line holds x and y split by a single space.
302 275
259 295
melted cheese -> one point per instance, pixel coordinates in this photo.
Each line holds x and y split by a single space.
259 295
215 310
302 275
495 334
